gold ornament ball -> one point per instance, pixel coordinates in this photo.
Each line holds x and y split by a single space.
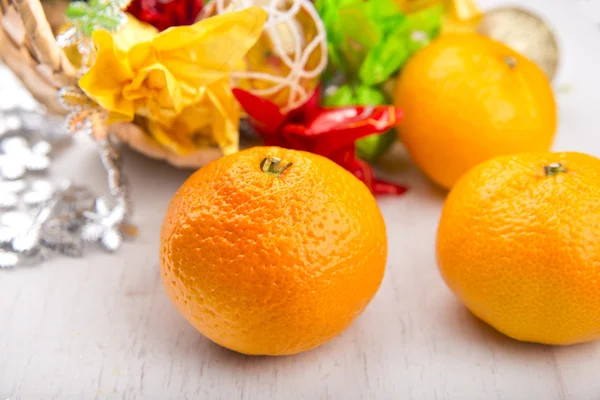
524 32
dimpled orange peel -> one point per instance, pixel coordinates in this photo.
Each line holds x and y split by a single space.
519 245
272 251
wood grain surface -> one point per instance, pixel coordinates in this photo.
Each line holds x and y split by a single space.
102 327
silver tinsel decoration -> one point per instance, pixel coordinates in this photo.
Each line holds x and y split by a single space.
41 217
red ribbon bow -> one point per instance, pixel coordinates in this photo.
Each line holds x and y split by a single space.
330 132
165 14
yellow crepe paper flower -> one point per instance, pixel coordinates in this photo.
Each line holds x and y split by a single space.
177 79
213 120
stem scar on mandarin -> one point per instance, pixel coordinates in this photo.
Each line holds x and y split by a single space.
510 61
272 166
554 169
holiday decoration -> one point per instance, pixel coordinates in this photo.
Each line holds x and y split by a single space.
285 65
18 157
89 16
330 132
388 56
370 41
41 216
372 146
182 80
459 15
526 33
518 28
155 82
162 84
165 14
85 18
354 28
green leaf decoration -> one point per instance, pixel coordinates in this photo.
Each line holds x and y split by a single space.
389 55
96 15
369 41
354 27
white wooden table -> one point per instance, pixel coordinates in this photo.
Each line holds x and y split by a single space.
102 327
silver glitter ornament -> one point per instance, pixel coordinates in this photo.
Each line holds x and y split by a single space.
30 124
38 217
57 235
8 259
28 243
11 168
8 200
10 123
105 226
9 191
19 156
75 201
12 225
39 191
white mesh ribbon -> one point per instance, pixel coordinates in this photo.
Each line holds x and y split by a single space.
287 36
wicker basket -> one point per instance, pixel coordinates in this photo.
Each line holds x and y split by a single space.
28 47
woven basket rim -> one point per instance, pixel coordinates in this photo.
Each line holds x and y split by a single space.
30 50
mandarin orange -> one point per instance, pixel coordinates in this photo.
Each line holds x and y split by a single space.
519 244
264 259
467 98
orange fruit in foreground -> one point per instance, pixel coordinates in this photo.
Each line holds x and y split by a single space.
467 98
269 260
519 245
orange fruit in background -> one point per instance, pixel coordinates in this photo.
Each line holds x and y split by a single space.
467 98
519 245
272 263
